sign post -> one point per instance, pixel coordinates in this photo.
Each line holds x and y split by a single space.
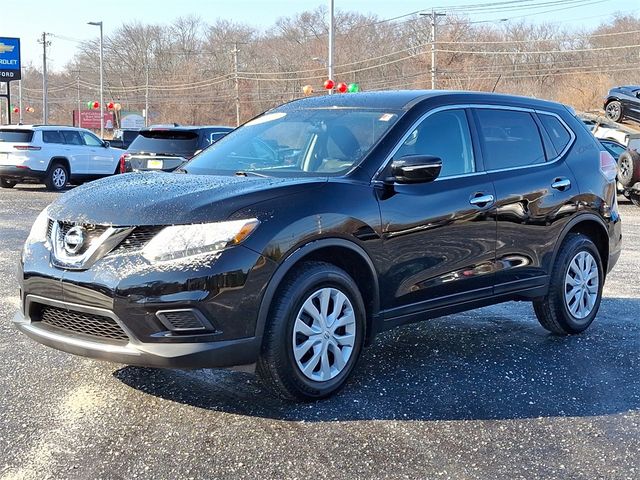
10 68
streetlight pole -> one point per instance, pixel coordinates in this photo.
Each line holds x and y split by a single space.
331 39
99 24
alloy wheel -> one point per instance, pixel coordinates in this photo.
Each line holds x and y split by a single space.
581 285
59 177
613 110
324 334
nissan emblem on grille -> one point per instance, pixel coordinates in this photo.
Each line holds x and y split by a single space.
74 240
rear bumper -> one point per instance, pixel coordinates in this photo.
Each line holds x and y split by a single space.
19 173
222 354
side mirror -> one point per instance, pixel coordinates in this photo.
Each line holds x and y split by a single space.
415 169
105 144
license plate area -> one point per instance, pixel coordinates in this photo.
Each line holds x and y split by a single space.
154 164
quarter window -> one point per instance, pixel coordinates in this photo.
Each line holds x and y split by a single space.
52 136
509 139
560 137
444 135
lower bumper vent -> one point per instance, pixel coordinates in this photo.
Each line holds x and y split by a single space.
96 326
187 320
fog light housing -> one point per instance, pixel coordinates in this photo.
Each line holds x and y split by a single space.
185 320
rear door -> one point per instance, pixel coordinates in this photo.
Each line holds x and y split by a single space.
76 152
524 156
100 159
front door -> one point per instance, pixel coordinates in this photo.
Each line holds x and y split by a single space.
439 237
100 159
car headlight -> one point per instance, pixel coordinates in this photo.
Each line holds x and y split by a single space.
38 233
179 241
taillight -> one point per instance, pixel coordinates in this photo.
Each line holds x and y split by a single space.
123 162
26 147
608 166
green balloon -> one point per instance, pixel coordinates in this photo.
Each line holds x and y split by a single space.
353 88
90 105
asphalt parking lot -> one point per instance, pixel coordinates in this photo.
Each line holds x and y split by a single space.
483 394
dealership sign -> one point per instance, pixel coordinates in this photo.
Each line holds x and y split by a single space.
91 119
9 59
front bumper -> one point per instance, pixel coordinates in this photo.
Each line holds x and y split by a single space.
226 293
221 354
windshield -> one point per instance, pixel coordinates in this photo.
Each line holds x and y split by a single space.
167 142
15 135
301 142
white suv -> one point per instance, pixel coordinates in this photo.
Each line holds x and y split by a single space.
54 155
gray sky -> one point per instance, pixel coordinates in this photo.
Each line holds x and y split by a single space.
27 19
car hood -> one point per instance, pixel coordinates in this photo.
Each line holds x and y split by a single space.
135 199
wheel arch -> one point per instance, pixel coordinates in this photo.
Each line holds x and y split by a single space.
58 159
593 227
342 253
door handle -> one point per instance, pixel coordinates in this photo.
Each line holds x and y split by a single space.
481 200
561 184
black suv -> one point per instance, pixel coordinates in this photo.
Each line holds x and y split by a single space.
297 238
623 102
166 147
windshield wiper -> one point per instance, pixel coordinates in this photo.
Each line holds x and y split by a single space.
242 173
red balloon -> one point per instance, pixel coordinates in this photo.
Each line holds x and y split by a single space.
342 87
110 105
329 84
96 105
16 110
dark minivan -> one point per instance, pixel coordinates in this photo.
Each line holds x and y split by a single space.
166 147
293 241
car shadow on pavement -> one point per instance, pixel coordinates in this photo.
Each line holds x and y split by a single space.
494 363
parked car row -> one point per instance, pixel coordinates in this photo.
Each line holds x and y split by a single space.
57 155
623 145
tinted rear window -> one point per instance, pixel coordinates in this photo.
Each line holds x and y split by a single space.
509 139
52 136
8 135
172 142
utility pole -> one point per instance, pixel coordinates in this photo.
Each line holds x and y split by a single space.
235 81
45 94
434 17
79 105
331 41
146 95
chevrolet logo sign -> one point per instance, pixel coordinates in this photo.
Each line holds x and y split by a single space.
6 48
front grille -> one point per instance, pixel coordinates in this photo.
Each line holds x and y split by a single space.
137 239
89 324
92 232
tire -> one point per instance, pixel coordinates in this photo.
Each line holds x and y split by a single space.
277 365
614 111
629 168
635 199
57 178
556 311
6 183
